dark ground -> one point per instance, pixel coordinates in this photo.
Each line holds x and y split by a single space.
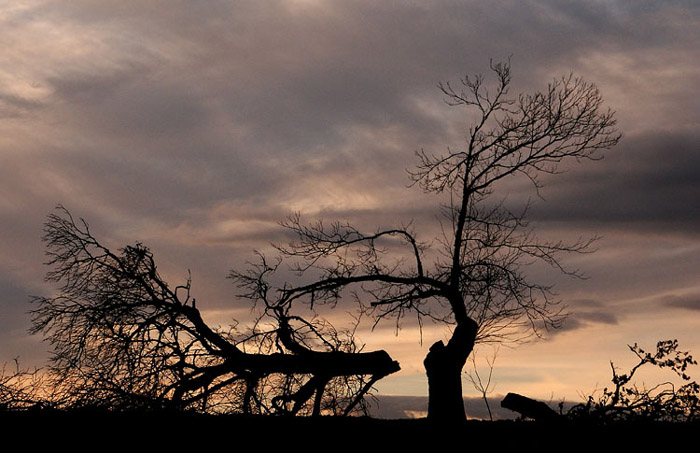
83 431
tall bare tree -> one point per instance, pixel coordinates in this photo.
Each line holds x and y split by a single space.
475 281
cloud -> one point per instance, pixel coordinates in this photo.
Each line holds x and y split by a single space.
197 128
649 180
250 101
15 321
584 313
687 301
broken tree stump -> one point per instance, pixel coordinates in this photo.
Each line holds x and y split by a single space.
529 408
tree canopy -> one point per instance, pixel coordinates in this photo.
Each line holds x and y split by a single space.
475 280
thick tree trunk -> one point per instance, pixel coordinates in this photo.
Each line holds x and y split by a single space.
443 365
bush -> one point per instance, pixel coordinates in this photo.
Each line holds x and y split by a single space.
626 401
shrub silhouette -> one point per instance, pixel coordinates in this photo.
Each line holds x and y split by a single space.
627 401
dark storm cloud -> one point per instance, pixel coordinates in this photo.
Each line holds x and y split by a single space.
12 106
291 82
129 103
166 184
16 343
650 180
13 304
688 302
292 71
166 109
586 312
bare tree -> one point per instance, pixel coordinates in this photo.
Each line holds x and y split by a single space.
123 338
481 385
475 281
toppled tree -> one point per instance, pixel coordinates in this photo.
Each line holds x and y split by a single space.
475 282
628 401
123 338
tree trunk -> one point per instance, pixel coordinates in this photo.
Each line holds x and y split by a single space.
527 407
443 365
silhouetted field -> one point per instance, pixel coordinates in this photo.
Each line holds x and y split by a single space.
89 430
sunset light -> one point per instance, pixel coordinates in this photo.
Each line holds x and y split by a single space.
388 147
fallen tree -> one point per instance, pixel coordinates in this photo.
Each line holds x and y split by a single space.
124 338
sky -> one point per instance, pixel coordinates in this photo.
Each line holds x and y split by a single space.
195 127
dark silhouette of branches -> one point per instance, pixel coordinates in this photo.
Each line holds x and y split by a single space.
483 385
628 401
123 338
122 334
21 389
475 281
